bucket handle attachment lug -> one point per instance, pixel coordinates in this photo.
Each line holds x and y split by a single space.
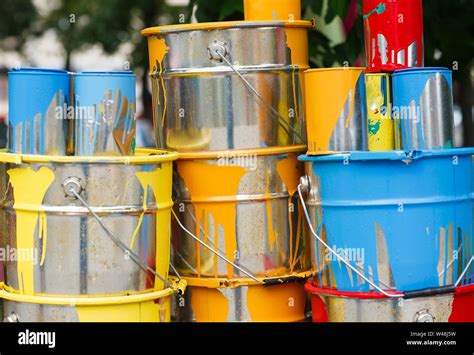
218 52
72 183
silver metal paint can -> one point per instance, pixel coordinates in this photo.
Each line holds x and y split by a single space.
228 85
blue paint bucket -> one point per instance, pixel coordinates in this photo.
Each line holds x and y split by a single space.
38 101
423 108
105 113
403 219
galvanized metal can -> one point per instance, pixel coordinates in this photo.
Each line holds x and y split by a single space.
252 303
380 125
38 101
403 220
336 306
243 205
261 10
61 248
228 85
336 110
423 108
393 34
105 113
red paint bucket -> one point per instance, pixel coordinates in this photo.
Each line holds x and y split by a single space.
393 34
329 305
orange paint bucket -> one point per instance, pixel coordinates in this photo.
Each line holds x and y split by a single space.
336 110
281 10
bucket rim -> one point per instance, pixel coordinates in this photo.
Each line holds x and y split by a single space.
224 25
143 156
395 155
116 73
38 71
311 288
209 155
338 69
90 300
424 70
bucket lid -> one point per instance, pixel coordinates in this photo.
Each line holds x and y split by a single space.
319 70
224 25
37 71
106 73
426 70
391 155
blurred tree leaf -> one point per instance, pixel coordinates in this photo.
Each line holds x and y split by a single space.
17 22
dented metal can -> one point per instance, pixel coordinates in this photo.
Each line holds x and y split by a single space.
38 101
423 108
242 88
336 110
380 125
104 113
402 219
393 34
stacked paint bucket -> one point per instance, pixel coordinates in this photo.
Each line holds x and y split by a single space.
85 216
389 203
228 96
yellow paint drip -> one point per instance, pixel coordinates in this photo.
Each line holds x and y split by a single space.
206 183
160 182
289 170
272 236
209 305
282 303
158 51
327 91
297 42
29 189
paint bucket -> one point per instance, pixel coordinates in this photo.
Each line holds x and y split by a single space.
277 10
393 34
242 87
150 306
68 243
105 113
423 108
243 206
380 125
38 101
336 110
243 303
402 220
336 306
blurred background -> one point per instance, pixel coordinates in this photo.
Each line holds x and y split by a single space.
105 35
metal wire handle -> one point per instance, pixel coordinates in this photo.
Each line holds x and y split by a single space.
213 251
266 105
134 257
348 264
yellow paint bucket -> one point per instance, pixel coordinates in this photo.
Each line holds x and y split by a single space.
65 249
243 205
277 10
149 306
247 302
335 110
380 124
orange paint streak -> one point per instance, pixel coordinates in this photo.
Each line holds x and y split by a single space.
282 303
209 305
325 99
213 191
